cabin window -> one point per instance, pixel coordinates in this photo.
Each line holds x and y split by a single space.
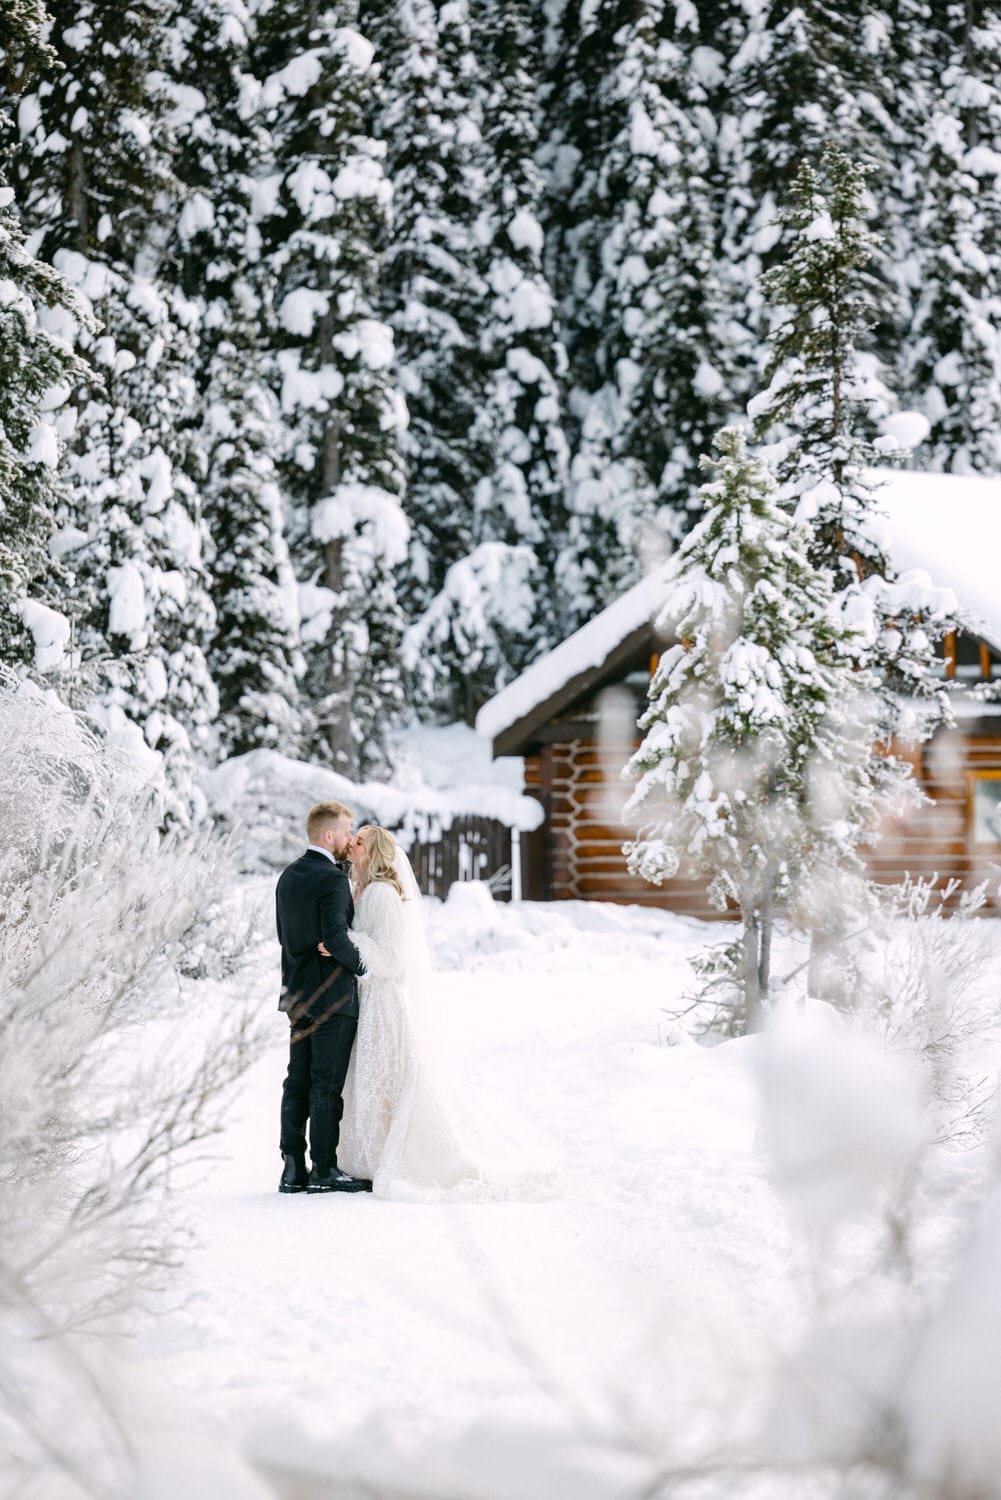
984 808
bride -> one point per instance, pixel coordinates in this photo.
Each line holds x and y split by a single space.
402 1126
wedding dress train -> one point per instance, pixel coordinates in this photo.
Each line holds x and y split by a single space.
403 1126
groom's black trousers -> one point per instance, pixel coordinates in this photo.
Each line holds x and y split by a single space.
314 1087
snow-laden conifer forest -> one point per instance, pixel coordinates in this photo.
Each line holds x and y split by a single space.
352 358
354 355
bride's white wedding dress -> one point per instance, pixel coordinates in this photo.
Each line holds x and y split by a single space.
403 1126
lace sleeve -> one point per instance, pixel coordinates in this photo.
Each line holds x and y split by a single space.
379 935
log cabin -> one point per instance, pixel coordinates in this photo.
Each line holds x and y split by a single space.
572 716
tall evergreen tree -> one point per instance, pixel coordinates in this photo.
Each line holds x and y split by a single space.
633 228
94 175
756 769
254 653
434 293
951 365
36 372
496 607
522 498
340 464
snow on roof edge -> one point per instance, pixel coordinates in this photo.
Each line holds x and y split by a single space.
929 522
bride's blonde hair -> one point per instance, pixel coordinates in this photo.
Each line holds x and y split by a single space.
380 846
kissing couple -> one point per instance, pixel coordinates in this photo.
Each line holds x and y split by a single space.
357 988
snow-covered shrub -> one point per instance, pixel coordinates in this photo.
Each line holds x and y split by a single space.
929 982
96 1109
894 1377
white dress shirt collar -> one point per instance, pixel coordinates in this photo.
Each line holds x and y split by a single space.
319 849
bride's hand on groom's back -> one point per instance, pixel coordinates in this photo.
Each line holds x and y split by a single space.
322 950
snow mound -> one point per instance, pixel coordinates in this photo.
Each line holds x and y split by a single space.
267 795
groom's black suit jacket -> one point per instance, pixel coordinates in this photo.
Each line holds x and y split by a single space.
313 902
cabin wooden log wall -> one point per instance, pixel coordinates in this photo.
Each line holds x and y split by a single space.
577 854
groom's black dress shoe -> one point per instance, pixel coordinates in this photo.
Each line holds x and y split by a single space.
333 1180
294 1178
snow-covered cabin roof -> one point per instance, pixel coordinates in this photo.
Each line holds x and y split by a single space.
947 526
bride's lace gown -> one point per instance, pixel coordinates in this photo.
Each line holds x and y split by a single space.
400 1126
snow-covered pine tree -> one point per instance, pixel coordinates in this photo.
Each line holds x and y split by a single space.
632 96
496 607
951 357
824 405
586 145
522 501
324 209
756 769
429 112
254 653
36 374
94 179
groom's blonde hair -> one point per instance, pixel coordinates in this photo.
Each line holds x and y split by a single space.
322 815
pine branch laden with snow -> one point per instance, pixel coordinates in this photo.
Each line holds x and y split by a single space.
98 1110
824 397
823 406
756 769
428 109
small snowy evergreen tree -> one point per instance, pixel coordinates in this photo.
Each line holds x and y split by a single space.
823 405
324 216
756 768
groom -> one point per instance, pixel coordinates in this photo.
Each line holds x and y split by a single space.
320 995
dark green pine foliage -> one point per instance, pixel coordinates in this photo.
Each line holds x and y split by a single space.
340 464
951 357
254 652
823 407
95 179
34 368
521 342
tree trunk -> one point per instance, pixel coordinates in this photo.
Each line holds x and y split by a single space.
752 971
766 927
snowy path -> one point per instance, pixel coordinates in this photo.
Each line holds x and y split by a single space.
656 1276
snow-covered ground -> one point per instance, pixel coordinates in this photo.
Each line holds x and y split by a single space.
614 1307
571 1345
